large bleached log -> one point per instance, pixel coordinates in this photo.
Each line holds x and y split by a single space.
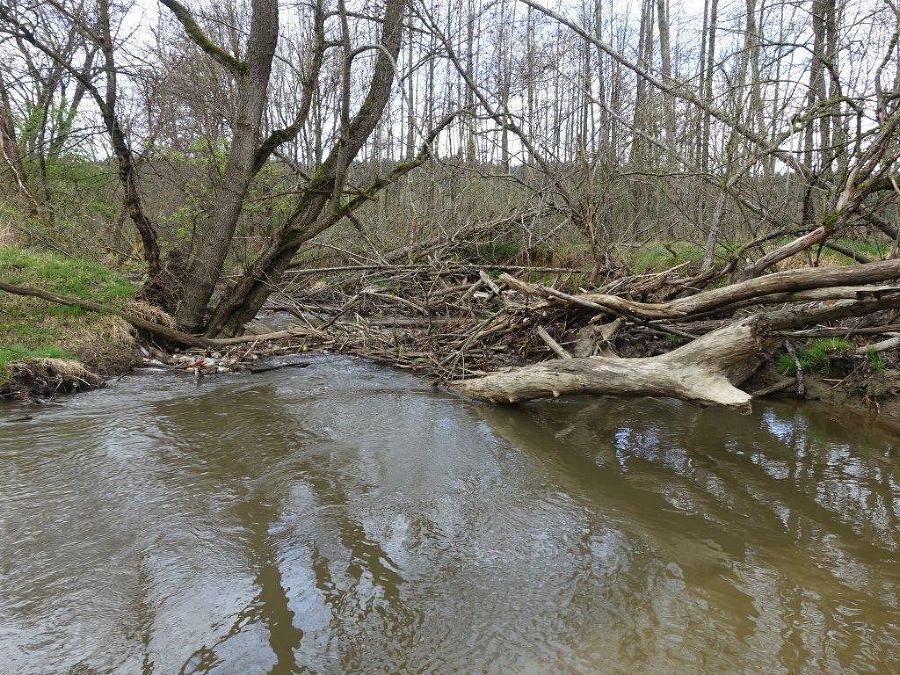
705 371
698 371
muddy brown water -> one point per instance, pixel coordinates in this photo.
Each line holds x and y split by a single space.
345 518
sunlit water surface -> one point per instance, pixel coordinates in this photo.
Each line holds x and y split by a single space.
345 518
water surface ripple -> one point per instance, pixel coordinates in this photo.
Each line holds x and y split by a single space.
345 518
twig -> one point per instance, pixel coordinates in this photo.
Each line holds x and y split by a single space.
553 344
788 345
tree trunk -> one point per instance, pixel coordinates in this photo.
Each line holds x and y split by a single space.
753 291
668 103
708 84
712 237
242 302
213 239
470 130
696 372
124 159
645 57
705 371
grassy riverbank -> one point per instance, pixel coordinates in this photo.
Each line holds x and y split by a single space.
47 349
38 334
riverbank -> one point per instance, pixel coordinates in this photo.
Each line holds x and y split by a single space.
875 391
838 380
50 349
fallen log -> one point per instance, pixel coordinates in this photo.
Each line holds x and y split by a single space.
267 367
450 268
171 334
752 291
844 331
705 371
781 385
891 343
552 344
697 372
808 240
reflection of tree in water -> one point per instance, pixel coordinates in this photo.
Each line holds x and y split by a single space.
743 512
576 445
204 659
654 517
353 529
251 435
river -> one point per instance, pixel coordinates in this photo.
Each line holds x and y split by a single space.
346 518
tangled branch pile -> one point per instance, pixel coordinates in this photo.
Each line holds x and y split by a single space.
511 332
456 323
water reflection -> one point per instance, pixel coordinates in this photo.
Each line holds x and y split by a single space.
344 518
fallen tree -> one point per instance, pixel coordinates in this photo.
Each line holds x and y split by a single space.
767 289
706 370
457 325
167 333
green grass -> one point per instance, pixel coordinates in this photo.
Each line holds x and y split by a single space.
871 248
656 256
33 328
84 279
498 252
19 352
876 360
815 357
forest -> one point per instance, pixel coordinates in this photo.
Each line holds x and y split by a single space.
513 198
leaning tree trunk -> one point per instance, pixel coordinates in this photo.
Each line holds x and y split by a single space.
213 240
769 289
244 300
319 207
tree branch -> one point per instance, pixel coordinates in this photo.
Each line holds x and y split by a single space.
184 16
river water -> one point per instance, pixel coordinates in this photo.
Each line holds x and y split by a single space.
344 518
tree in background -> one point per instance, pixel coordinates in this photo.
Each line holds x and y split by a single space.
241 131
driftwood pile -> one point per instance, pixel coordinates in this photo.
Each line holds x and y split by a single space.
445 322
479 328
508 333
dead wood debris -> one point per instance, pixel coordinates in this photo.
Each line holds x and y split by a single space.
451 322
46 378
